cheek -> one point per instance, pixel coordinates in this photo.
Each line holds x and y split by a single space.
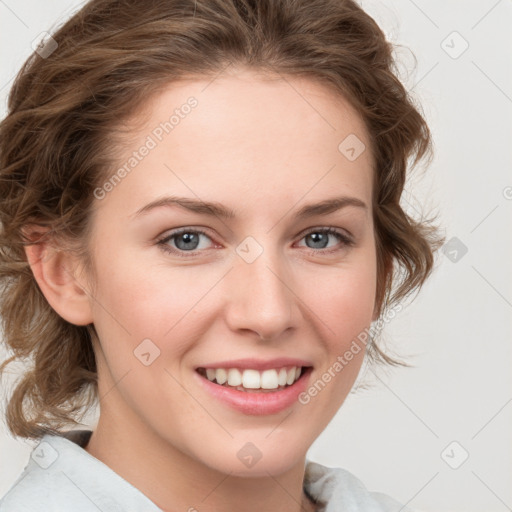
344 300
135 302
343 306
158 302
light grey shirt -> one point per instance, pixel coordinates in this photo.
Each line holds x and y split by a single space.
61 476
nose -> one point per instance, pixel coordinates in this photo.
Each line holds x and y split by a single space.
260 296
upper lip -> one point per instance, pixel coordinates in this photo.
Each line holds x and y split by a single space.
257 364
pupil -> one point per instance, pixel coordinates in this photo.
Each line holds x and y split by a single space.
319 237
189 238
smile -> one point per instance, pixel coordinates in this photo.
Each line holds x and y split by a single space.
251 380
255 392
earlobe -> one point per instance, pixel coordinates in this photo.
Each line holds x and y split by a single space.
55 273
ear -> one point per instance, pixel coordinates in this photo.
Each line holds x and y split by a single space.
55 271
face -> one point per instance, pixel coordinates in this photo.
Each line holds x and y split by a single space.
252 284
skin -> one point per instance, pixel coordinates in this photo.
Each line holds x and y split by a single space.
264 147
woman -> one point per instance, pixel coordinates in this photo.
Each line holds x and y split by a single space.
200 221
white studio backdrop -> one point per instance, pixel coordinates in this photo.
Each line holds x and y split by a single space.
435 436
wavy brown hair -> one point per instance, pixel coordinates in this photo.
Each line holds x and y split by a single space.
113 55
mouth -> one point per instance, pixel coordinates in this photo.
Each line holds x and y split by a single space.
255 387
249 380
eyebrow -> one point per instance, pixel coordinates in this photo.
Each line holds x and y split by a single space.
219 210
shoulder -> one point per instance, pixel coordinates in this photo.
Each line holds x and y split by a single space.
43 484
33 491
61 475
337 489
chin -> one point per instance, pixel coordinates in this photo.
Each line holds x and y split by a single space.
258 458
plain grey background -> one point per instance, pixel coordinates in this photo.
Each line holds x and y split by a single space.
436 436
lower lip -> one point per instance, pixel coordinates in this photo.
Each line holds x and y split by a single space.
257 403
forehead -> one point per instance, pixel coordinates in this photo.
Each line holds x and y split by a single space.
249 135
256 101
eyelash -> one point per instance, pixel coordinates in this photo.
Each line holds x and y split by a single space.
162 242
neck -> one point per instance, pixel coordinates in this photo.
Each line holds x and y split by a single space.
175 480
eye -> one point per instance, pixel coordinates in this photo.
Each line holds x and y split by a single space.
185 240
319 238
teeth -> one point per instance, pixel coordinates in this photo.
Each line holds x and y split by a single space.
220 376
251 379
269 379
254 379
234 377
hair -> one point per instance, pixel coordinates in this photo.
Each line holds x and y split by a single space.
112 56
